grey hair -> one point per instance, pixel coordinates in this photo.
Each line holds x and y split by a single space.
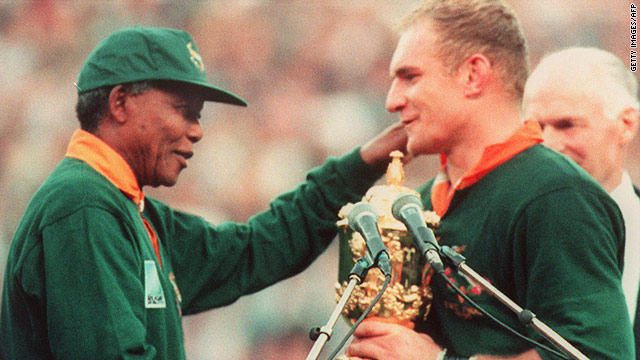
593 70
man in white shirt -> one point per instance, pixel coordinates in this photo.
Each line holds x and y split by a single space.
586 101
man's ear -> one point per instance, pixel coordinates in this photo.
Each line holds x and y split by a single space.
475 72
629 119
117 101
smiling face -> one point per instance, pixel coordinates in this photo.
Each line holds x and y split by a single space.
574 123
424 93
163 126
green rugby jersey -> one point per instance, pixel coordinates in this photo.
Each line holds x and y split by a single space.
548 236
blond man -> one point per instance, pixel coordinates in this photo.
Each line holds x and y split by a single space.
525 217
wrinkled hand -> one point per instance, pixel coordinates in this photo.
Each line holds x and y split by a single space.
376 151
382 341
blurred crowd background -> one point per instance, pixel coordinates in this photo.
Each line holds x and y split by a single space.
315 74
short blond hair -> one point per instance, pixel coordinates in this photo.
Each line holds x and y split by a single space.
466 27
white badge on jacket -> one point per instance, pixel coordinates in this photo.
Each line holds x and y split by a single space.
153 294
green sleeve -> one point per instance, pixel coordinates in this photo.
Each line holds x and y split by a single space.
215 265
93 282
570 246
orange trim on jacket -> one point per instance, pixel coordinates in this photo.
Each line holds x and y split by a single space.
493 156
102 158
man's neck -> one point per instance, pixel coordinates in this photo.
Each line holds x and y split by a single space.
494 128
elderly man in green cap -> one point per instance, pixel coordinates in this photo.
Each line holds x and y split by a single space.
99 270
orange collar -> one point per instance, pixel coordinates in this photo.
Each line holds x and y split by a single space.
492 156
105 160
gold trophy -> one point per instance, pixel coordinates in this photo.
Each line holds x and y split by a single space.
408 296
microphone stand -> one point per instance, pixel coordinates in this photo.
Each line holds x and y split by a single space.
323 334
525 316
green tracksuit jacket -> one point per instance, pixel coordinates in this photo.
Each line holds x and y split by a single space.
82 279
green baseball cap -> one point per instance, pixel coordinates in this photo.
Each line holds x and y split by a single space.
149 53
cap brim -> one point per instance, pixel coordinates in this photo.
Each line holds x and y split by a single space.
216 94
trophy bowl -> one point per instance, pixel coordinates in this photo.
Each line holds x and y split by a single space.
408 295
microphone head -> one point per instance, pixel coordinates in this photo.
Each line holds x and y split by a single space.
358 210
403 200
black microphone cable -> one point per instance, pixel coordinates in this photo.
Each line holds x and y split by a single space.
387 279
499 322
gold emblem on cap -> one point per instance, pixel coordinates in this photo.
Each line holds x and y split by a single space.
196 59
